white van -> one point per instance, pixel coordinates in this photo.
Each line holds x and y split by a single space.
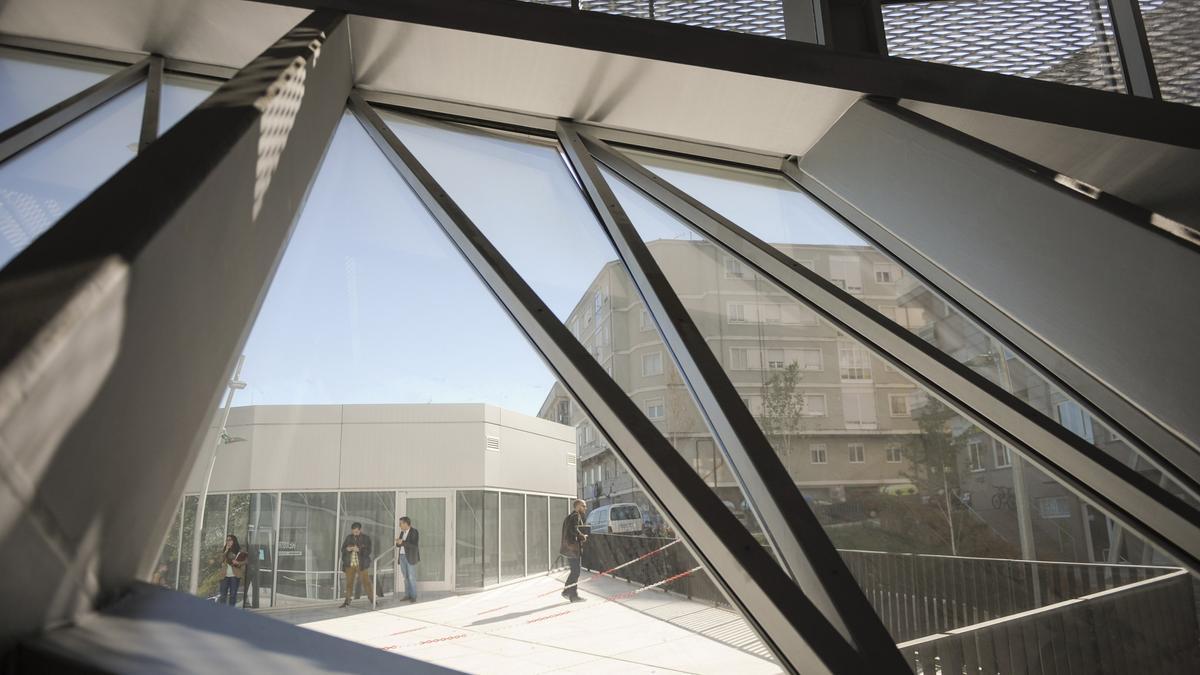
623 518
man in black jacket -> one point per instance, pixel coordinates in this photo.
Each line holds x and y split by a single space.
574 534
409 543
356 562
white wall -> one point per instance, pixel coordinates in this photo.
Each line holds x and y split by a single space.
387 447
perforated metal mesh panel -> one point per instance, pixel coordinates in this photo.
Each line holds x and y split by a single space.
758 17
1173 30
1069 41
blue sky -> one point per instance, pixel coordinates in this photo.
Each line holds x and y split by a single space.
372 304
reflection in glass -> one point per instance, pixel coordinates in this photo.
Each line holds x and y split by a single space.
428 515
376 512
512 541
491 537
519 192
46 180
538 537
307 547
773 209
899 480
469 542
30 82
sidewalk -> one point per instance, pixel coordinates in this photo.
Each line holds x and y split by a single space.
512 630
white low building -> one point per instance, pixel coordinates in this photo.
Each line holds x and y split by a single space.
486 487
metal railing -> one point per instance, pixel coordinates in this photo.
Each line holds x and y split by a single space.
1088 634
983 614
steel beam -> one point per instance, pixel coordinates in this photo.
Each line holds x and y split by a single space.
760 56
1153 512
24 134
122 321
789 524
150 109
1003 204
790 625
1137 61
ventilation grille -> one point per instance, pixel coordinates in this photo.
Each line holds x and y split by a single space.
493 443
571 459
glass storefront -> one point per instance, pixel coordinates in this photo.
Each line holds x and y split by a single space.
294 551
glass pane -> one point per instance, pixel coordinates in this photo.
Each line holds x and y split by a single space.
512 540
491 538
376 512
166 569
260 547
468 557
920 501
1068 41
30 82
189 532
307 547
45 181
520 194
379 362
428 515
212 543
538 540
1171 29
773 209
180 95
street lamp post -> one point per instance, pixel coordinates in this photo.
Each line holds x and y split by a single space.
222 439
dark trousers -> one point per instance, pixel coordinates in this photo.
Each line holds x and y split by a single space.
228 588
573 577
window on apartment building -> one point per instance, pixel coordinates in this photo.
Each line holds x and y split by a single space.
598 302
1054 507
975 456
798 315
814 405
846 274
894 454
734 269
564 412
898 404
854 361
857 453
644 322
655 409
1001 455
886 273
818 453
810 359
770 312
739 358
858 410
908 317
736 312
775 359
574 324
1078 422
652 364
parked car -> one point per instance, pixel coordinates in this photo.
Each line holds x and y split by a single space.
623 518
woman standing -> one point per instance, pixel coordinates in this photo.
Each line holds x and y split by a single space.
233 560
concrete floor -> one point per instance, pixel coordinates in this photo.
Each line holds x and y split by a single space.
527 628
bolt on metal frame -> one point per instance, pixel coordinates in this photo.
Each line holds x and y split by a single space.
1161 517
788 622
787 520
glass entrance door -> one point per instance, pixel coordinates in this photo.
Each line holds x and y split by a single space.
431 516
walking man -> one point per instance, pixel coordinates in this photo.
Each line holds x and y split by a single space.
356 562
574 534
409 543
